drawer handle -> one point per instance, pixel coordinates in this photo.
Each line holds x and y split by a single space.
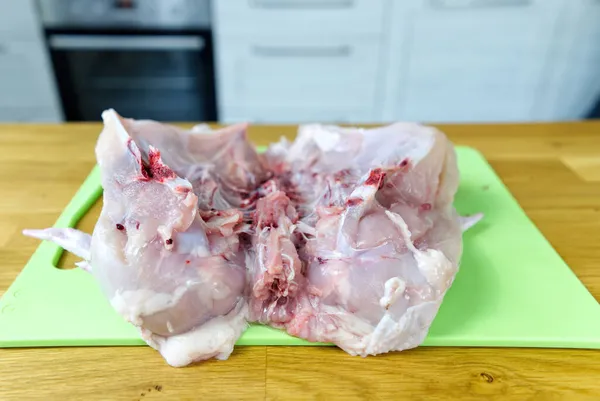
478 3
296 4
274 51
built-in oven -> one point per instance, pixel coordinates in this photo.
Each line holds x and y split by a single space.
147 59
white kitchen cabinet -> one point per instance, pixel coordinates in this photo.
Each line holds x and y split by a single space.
27 114
22 82
284 114
18 19
299 60
267 18
572 81
27 88
417 60
463 61
300 74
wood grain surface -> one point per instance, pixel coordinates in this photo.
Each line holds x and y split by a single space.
552 169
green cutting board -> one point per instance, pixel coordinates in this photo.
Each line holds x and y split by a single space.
512 289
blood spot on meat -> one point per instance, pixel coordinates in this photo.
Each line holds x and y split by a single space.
155 169
353 201
225 257
376 177
169 241
146 172
404 163
182 189
137 225
321 260
425 207
249 201
120 227
187 262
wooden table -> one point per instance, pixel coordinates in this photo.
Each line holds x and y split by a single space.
552 169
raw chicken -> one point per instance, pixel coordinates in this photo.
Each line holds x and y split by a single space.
223 167
385 248
345 235
173 270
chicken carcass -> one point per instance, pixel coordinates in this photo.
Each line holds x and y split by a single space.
345 235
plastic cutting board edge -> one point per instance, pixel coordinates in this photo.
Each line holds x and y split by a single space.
512 288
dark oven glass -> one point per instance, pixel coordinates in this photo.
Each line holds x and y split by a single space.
160 77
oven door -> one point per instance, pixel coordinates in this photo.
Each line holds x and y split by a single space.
160 77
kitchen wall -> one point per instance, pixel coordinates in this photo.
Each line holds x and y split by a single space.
291 61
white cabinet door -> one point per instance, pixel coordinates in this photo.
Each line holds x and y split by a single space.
306 75
25 79
307 17
18 19
572 83
28 115
284 114
475 60
27 89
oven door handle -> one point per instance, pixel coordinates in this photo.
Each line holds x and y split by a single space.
126 42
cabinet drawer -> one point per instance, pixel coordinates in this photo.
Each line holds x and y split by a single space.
469 103
287 115
299 72
308 17
25 76
18 19
474 60
500 27
572 82
477 69
29 115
